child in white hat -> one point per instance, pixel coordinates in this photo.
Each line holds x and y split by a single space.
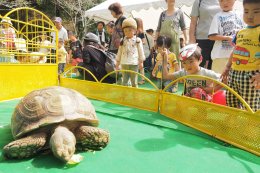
130 53
7 37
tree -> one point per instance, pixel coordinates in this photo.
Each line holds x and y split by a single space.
75 10
14 4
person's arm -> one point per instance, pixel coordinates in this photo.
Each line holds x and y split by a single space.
224 74
185 39
220 37
155 69
118 57
166 74
192 31
256 81
157 33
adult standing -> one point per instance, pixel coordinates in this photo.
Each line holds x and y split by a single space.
110 29
202 14
101 33
170 22
117 12
62 34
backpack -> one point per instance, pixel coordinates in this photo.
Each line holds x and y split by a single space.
110 64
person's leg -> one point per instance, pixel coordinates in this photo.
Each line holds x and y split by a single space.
247 91
133 76
206 47
125 75
231 99
142 79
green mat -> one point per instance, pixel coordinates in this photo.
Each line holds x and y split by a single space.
141 142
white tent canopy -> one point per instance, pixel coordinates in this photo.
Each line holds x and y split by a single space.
148 10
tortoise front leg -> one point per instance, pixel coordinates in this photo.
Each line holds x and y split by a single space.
62 143
91 138
25 147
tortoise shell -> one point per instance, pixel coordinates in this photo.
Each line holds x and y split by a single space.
49 106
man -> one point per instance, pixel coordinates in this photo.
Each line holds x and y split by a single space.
62 34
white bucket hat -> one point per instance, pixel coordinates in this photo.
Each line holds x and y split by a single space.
187 51
6 20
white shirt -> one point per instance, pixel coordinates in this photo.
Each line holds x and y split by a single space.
131 52
62 33
205 10
225 24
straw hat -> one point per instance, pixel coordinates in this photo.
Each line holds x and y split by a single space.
6 20
129 22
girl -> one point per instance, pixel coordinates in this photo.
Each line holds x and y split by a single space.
130 53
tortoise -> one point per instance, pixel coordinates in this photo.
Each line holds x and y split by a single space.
55 118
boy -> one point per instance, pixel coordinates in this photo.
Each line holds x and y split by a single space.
172 64
190 57
224 25
62 56
130 53
75 51
243 66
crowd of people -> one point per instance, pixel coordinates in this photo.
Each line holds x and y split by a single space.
222 44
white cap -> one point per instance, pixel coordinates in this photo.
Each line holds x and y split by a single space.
6 20
187 51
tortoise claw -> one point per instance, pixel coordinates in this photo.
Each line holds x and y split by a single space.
91 138
25 147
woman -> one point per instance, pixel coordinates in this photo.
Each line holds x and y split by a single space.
170 22
116 12
202 14
94 59
140 34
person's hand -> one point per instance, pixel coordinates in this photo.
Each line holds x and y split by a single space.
255 80
224 75
229 39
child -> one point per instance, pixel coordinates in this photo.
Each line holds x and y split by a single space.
130 53
7 37
223 26
62 56
172 64
243 66
190 57
75 51
44 47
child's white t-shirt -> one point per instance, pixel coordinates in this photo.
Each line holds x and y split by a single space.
225 24
197 82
